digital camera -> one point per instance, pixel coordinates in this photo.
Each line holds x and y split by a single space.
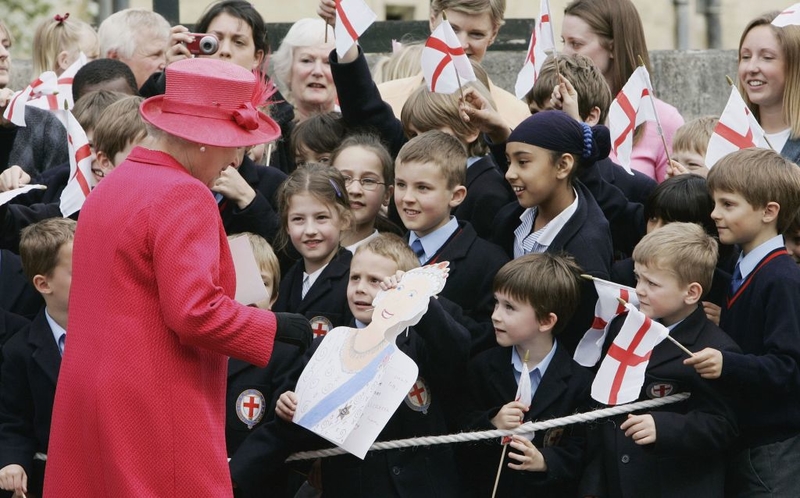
203 44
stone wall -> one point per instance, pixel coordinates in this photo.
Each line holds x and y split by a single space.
692 81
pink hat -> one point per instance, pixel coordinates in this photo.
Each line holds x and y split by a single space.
209 101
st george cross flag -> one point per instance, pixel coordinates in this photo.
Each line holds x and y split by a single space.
621 374
788 17
523 393
608 306
45 84
737 129
444 61
542 42
62 99
353 17
632 107
81 181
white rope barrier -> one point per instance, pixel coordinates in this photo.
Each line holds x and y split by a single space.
525 428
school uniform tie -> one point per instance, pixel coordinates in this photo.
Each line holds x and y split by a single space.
736 280
416 246
61 343
306 286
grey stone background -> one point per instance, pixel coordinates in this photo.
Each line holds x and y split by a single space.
692 81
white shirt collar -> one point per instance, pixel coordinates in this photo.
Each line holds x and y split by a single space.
748 263
57 329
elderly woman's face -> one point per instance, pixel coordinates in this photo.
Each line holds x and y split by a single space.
5 58
235 41
207 165
311 83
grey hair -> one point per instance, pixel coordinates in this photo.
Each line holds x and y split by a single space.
307 32
121 30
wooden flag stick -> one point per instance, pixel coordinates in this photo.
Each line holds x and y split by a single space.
683 348
587 277
655 113
499 470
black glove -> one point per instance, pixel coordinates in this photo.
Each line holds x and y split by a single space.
293 329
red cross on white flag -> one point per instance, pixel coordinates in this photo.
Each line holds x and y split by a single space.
737 129
608 306
621 375
788 17
542 42
633 106
45 84
353 17
444 63
81 180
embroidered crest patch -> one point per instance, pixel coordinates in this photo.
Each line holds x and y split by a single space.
250 407
419 397
659 389
320 326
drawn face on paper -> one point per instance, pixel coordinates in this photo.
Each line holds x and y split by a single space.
405 304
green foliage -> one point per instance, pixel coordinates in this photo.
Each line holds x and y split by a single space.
21 17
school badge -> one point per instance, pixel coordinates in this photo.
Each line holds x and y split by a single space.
552 437
250 407
659 389
320 326
419 397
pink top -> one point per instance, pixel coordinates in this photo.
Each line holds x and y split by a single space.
140 403
648 154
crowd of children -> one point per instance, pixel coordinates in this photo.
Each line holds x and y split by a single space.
522 210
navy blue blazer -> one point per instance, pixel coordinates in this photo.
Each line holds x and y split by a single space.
326 298
31 361
688 457
586 238
17 294
563 390
487 192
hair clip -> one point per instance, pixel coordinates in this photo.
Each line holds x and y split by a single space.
587 140
60 19
336 188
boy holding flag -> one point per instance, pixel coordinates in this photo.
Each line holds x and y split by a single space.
677 450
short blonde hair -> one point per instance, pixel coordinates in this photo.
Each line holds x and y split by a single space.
683 249
693 136
266 259
403 63
53 37
425 110
40 243
760 176
495 8
550 283
90 107
119 125
391 246
438 148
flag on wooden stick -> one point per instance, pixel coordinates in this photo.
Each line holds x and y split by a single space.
353 17
608 306
444 63
737 129
788 17
81 181
542 42
633 106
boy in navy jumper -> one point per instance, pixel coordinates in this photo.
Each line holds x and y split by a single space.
429 182
533 294
677 450
32 357
757 194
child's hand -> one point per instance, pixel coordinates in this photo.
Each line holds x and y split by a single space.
674 168
510 416
232 186
327 11
13 478
286 406
178 39
475 109
529 457
712 311
642 428
565 97
392 281
708 363
13 177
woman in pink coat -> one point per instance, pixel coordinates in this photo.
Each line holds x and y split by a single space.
139 408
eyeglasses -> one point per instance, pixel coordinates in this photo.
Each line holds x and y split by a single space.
366 183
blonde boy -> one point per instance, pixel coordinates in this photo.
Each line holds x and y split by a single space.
690 143
119 129
32 357
679 449
756 195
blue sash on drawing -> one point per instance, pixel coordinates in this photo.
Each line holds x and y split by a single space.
346 391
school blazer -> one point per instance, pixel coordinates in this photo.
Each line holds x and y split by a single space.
564 390
261 215
688 458
17 294
30 366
